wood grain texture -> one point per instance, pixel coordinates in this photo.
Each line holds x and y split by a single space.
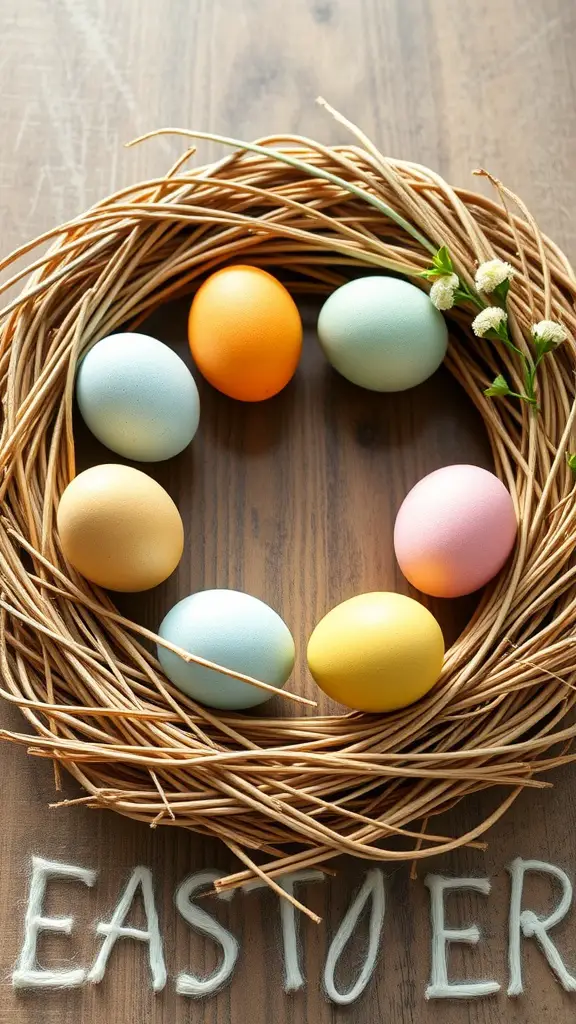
293 501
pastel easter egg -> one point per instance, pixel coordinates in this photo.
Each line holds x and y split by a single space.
245 333
138 397
119 528
376 652
455 531
382 333
232 629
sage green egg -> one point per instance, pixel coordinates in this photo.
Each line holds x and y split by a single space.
231 629
382 333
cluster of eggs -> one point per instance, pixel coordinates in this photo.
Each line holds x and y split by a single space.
121 530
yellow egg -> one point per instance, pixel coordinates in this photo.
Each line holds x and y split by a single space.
376 652
119 528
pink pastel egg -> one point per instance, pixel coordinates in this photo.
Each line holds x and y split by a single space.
454 531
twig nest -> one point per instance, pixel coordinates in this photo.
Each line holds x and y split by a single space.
300 789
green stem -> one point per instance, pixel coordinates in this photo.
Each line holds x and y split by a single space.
538 360
464 294
523 398
530 383
301 165
514 348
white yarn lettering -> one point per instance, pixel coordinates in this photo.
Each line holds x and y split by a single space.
293 978
440 987
373 889
27 974
115 930
536 927
191 984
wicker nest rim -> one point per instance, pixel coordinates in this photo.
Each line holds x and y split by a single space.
287 793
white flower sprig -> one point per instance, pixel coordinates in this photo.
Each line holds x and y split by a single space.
492 319
443 291
492 322
447 288
548 333
493 277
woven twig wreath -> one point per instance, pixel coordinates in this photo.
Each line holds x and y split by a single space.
299 790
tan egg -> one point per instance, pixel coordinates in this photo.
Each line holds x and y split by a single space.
119 528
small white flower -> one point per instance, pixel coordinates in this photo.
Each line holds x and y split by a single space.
492 273
489 319
443 291
549 331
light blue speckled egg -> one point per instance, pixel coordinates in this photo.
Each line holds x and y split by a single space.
232 629
138 397
382 333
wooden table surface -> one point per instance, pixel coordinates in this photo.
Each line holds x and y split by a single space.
453 85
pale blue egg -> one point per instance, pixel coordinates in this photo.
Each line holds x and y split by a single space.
138 397
231 629
382 333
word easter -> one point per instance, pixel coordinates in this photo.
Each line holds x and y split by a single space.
372 896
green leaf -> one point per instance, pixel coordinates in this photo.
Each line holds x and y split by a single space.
571 461
501 332
498 388
462 294
442 261
429 274
542 346
501 291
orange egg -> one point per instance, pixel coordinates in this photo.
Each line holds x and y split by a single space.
245 333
